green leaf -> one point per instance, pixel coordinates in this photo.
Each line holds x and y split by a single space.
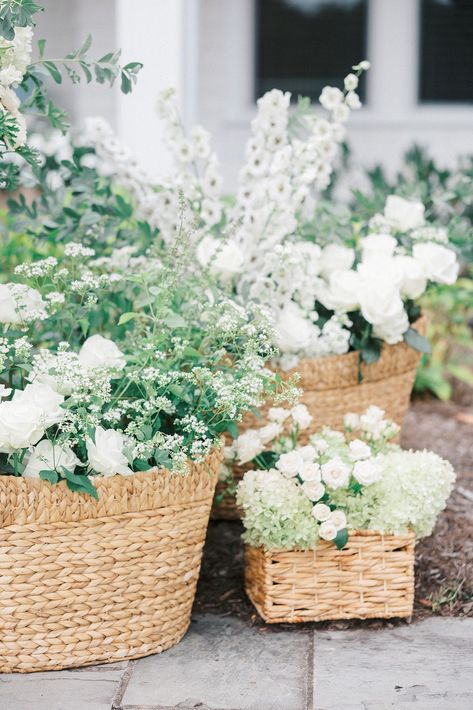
50 476
174 320
53 70
81 484
232 429
141 465
125 317
41 47
371 351
341 539
417 341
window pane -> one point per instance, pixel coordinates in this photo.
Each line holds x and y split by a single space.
303 45
446 72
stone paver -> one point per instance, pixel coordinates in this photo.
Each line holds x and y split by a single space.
425 666
223 663
78 689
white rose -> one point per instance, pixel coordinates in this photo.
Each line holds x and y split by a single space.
392 331
335 473
309 471
342 293
270 432
339 519
321 512
278 414
381 305
440 263
290 464
106 453
366 472
313 489
380 268
20 425
224 257
372 418
404 214
307 452
414 280
320 445
328 531
378 245
336 257
293 330
98 351
301 416
44 398
48 457
248 445
17 302
351 421
359 450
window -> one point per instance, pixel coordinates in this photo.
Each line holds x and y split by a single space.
446 54
303 45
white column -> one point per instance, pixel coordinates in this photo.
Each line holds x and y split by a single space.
157 33
393 53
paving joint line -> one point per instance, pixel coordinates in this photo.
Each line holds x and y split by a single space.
309 685
117 701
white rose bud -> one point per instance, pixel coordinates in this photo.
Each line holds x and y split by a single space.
314 490
106 453
404 214
293 329
339 519
328 531
321 512
335 473
301 416
225 258
336 257
351 421
307 452
366 472
440 263
48 457
290 464
270 432
278 414
248 445
310 471
98 351
359 450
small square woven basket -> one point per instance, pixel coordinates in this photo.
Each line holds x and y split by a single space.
372 577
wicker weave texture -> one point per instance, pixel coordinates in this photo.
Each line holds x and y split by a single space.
85 581
372 577
331 390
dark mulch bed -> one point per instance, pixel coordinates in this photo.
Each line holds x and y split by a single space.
444 561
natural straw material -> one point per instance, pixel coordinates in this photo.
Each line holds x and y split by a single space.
331 390
372 577
85 581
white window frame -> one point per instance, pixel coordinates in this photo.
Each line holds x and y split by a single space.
392 82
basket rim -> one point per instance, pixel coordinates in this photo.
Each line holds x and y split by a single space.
409 535
346 366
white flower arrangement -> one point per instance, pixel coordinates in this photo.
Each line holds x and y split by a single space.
354 289
110 372
301 493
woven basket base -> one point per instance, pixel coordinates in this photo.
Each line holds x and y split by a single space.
372 577
108 588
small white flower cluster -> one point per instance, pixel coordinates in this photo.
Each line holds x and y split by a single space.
347 482
15 55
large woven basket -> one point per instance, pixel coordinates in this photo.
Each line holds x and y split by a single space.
331 390
85 581
372 577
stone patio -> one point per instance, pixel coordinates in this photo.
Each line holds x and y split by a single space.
225 664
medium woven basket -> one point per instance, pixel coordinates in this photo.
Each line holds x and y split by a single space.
331 390
372 577
85 581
